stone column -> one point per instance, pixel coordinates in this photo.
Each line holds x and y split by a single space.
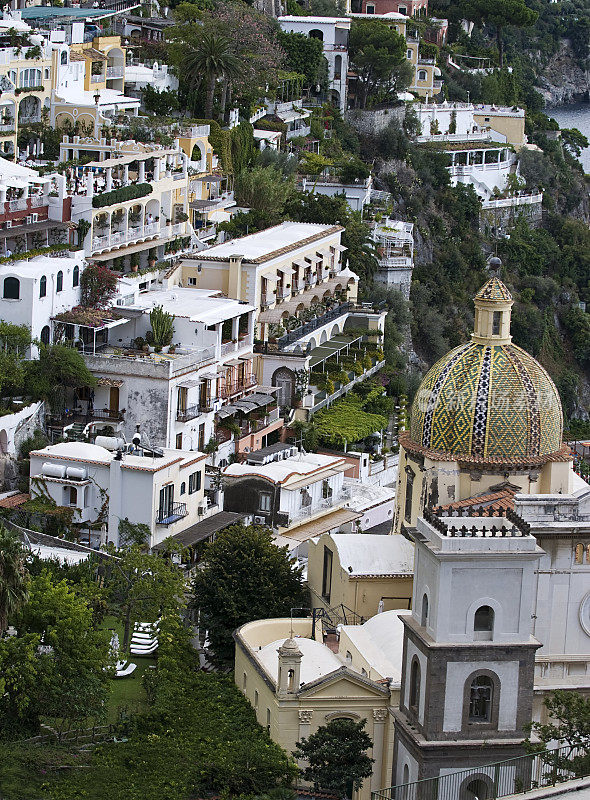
141 176
379 720
109 179
156 169
126 174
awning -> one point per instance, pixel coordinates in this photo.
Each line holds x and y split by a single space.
235 362
245 407
248 357
260 399
270 278
286 270
291 116
204 530
318 526
273 314
313 258
94 54
226 411
188 384
114 382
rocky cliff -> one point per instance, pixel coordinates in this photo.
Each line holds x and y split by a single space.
563 80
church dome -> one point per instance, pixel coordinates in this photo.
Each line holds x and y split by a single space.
488 399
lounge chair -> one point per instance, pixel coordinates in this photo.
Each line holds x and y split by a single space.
125 673
143 651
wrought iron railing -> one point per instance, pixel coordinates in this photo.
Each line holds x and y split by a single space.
186 414
495 780
314 324
173 513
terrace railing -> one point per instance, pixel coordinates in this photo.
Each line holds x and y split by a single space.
502 778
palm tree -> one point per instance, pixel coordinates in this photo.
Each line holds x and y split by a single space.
209 58
14 578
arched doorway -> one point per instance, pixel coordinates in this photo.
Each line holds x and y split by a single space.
476 787
285 380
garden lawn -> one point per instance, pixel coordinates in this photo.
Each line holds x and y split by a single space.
126 694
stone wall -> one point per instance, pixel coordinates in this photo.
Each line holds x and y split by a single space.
371 122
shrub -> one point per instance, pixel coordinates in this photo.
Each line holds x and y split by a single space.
131 192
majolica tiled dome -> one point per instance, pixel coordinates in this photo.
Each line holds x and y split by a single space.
488 398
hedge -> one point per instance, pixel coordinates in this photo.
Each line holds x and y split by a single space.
38 251
347 421
121 195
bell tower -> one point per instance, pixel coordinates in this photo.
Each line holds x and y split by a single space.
289 669
468 659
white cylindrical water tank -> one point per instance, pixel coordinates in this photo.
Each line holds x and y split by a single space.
53 470
110 442
76 473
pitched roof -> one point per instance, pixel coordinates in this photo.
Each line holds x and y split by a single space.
494 289
494 502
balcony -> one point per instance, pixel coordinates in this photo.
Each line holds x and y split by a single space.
314 324
186 414
97 78
115 72
228 347
115 238
283 294
231 389
7 127
173 513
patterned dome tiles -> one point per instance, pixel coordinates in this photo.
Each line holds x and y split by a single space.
494 289
488 401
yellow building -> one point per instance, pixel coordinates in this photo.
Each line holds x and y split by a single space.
508 122
296 684
486 414
356 575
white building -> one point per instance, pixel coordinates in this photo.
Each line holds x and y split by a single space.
357 194
161 489
158 76
394 241
34 291
333 33
172 396
299 495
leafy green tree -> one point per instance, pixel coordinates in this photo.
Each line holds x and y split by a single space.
378 56
305 56
14 579
245 577
574 140
57 368
500 13
14 342
337 756
74 671
569 724
263 189
22 683
159 101
143 586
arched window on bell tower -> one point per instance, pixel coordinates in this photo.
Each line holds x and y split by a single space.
424 614
483 623
414 695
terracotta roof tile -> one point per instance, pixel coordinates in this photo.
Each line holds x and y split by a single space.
14 500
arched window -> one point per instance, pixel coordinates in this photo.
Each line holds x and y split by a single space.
316 34
45 334
406 774
64 57
579 553
410 475
424 616
496 318
59 283
183 488
422 75
43 286
414 698
483 622
480 699
290 679
409 54
337 68
11 288
76 278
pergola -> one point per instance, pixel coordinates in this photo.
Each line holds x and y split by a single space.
333 347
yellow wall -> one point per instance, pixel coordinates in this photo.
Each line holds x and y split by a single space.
511 127
361 595
289 719
451 483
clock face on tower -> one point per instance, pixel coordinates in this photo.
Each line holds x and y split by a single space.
584 614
